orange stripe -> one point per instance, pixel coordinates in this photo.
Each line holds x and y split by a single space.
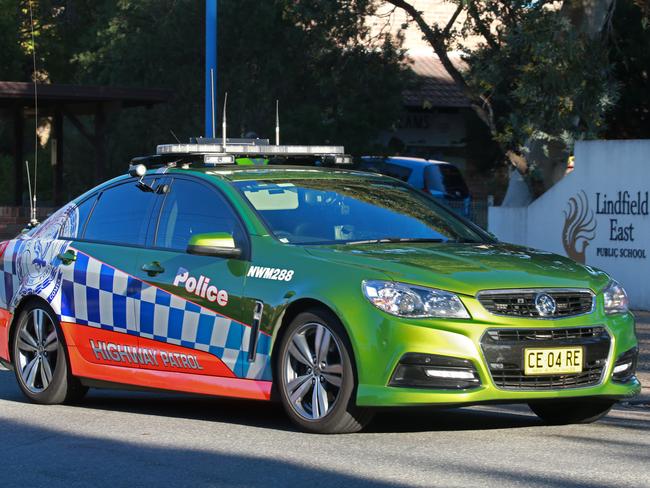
214 379
158 355
162 380
5 322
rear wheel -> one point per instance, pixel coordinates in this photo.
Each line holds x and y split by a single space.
40 361
316 376
571 412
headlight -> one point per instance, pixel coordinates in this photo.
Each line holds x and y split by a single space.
616 300
413 301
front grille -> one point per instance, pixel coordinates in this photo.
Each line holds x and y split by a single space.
526 335
513 379
521 303
504 352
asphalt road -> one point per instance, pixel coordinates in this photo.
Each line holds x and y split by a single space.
135 439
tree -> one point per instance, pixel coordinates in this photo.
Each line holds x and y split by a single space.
630 58
330 87
334 81
539 80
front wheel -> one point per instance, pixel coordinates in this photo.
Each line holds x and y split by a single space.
316 376
39 357
562 412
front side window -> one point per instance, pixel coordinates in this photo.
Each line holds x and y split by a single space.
121 215
191 208
345 210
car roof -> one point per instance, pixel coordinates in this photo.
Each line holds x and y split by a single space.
235 173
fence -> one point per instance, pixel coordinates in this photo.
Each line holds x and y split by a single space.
15 219
478 211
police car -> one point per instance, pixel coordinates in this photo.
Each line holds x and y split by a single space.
337 292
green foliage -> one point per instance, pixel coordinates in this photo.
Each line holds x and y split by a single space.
333 81
630 57
10 53
547 82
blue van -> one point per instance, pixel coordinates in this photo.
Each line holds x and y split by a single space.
441 180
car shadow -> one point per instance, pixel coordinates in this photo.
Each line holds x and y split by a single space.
68 459
270 415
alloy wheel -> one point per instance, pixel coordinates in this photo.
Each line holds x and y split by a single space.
38 346
313 371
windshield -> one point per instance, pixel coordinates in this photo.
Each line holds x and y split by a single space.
351 210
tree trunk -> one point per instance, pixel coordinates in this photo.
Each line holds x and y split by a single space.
588 16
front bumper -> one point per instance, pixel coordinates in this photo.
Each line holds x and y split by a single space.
471 341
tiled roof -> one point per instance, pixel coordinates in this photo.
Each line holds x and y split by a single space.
24 91
434 86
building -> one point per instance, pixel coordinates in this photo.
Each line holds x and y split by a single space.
438 121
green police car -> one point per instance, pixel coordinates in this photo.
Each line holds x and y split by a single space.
334 291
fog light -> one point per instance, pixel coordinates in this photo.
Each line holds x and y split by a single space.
622 367
625 366
442 373
435 372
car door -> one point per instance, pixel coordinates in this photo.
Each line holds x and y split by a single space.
191 309
98 286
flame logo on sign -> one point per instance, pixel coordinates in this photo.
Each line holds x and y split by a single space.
579 227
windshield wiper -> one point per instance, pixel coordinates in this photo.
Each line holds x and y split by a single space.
391 240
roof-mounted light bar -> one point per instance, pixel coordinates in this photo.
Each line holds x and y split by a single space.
217 159
231 140
250 150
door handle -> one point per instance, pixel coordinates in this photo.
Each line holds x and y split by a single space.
152 269
67 257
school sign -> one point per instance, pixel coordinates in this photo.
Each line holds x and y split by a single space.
598 215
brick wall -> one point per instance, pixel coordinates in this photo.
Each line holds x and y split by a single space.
14 219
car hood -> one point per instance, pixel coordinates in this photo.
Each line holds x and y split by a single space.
466 268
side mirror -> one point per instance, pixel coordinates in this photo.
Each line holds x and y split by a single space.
219 244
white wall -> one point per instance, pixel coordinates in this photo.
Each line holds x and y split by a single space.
616 239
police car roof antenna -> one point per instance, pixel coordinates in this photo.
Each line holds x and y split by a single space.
223 125
32 194
277 122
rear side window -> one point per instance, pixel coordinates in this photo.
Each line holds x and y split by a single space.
121 216
193 208
446 178
74 227
453 180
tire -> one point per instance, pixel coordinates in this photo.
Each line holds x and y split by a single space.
564 412
48 381
330 383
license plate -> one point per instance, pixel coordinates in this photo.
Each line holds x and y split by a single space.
560 360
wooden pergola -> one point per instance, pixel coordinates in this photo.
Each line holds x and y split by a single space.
69 102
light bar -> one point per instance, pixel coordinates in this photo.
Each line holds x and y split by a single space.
342 159
216 159
251 150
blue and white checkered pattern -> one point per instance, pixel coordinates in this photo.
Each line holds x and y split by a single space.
9 282
97 295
